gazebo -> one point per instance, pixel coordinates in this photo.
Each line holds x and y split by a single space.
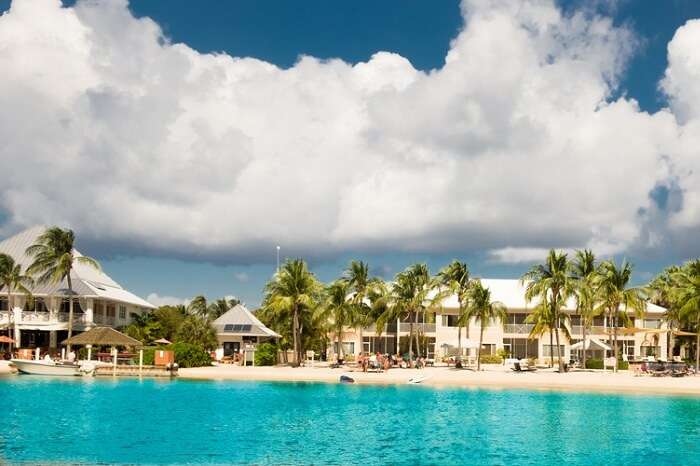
105 336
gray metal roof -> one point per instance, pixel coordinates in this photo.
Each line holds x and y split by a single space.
238 316
87 281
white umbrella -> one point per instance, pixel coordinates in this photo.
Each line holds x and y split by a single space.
591 343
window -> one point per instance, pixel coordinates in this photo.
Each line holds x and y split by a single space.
99 308
3 304
488 348
652 323
547 351
449 320
122 312
37 305
65 306
348 347
111 310
521 348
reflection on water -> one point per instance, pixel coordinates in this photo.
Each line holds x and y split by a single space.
104 420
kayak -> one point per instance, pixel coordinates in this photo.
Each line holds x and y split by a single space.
346 379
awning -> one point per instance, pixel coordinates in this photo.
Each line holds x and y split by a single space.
591 343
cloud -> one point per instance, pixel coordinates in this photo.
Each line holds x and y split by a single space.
157 300
241 277
515 144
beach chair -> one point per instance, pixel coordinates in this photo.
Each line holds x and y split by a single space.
518 368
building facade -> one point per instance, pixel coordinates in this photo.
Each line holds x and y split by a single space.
42 321
439 334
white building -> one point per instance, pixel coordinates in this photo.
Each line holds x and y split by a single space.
238 328
99 300
440 331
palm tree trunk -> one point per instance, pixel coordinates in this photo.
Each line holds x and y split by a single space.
697 346
459 343
615 349
70 311
478 351
556 333
11 315
551 348
410 337
339 354
669 342
466 335
583 331
416 336
295 336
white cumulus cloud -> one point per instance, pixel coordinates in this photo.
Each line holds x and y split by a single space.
515 144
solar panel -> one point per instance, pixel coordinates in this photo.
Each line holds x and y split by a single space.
246 328
228 328
242 328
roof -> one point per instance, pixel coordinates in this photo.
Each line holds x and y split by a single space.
87 281
105 336
511 293
240 321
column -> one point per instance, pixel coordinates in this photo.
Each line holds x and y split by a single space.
89 314
17 318
53 343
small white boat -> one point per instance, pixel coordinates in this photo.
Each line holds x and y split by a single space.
43 367
418 379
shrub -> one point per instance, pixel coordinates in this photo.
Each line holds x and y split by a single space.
266 354
594 363
622 365
491 359
190 355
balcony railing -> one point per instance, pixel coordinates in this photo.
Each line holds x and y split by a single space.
36 317
4 317
389 328
595 330
425 328
518 328
77 318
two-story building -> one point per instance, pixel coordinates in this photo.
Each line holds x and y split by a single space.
438 333
43 320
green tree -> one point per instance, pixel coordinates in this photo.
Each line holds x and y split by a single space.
292 292
198 331
198 306
551 282
54 257
221 306
456 280
584 270
542 318
686 292
360 286
484 311
13 279
616 298
339 310
661 293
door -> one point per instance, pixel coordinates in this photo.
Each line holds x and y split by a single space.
232 347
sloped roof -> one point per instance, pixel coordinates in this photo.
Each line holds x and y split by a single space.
511 293
87 281
106 336
240 315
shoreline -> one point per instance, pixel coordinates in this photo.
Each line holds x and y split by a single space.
492 378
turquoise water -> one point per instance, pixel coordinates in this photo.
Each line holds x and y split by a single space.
155 422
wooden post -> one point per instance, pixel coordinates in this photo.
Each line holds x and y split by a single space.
141 361
114 361
89 348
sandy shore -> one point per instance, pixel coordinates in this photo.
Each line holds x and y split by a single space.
491 377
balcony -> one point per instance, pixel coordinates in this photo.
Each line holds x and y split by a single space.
424 328
77 318
4 317
34 317
518 328
595 330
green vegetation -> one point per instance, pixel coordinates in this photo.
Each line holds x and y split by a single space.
53 259
266 354
490 359
190 355
12 278
484 311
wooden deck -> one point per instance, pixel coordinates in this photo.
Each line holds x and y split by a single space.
130 370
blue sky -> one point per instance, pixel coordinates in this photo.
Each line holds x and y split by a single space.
279 32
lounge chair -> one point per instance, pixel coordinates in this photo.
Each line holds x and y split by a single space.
518 368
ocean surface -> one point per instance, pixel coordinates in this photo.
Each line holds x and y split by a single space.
109 421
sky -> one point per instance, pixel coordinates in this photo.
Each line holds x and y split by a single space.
183 141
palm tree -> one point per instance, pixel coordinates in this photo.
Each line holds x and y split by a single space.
292 291
339 310
686 292
221 306
660 291
456 280
198 331
360 285
551 282
53 260
616 298
484 311
584 270
12 278
542 318
198 306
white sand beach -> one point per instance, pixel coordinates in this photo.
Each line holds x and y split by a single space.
490 377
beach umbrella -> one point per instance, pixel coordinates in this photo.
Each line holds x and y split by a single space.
162 341
102 336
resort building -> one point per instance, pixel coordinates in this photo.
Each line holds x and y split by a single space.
647 336
238 330
43 321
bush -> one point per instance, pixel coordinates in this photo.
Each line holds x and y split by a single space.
190 355
622 365
266 354
491 359
594 363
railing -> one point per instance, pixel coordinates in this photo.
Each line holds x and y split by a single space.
77 318
425 328
518 328
36 317
595 330
4 317
389 328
